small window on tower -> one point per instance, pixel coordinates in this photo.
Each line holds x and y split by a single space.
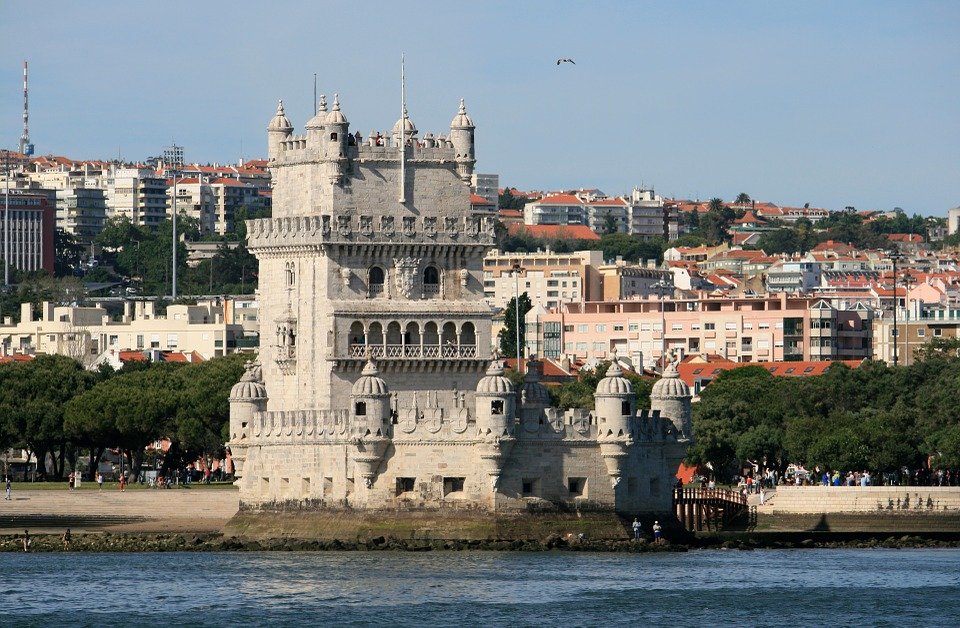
360 408
496 406
405 485
333 137
625 408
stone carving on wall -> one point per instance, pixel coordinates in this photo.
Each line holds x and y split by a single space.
430 226
409 226
406 276
343 226
473 226
464 276
450 224
325 228
366 226
490 225
386 226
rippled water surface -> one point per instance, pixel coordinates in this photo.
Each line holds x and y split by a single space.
701 588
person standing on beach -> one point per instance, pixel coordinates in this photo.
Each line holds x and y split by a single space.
100 481
657 533
27 541
66 540
9 488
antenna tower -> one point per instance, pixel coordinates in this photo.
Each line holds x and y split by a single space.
25 146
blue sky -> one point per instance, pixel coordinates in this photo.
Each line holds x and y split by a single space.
831 103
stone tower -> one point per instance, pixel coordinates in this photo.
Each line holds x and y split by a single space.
671 397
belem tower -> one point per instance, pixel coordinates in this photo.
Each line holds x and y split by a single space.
376 385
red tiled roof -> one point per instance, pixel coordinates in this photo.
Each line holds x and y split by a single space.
609 201
904 237
554 232
476 199
510 213
132 356
16 357
560 199
690 372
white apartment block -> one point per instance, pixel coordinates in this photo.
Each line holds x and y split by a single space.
549 279
137 193
84 333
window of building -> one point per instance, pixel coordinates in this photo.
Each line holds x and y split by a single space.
694 326
644 326
676 327
576 486
764 326
618 328
601 329
377 278
431 280
633 327
599 347
172 341
582 329
405 485
937 332
529 486
496 406
581 346
360 408
452 485
290 273
730 326
709 326
568 328
625 408
921 332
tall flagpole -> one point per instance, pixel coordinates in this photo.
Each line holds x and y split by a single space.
403 133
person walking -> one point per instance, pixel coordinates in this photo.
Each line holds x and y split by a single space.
637 528
657 533
100 481
27 541
123 482
66 540
9 488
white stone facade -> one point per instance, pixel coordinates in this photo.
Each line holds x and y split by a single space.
375 386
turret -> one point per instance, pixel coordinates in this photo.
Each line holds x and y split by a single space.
370 421
278 130
671 396
534 396
317 125
409 128
461 134
247 397
496 403
615 401
336 141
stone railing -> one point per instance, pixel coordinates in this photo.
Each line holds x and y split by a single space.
401 351
864 499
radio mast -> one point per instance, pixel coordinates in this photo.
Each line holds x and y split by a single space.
25 146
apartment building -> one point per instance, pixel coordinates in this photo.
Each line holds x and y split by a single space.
549 279
31 223
140 194
84 333
743 329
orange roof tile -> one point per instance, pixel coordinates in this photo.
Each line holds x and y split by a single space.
554 232
560 199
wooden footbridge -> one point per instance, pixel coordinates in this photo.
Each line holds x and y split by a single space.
700 509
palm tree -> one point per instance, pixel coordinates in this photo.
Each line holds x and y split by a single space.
743 199
715 205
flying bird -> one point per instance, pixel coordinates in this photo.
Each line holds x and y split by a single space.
559 61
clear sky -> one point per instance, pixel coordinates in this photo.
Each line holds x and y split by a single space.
826 102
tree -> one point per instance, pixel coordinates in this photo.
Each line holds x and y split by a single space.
32 398
67 252
508 335
743 200
716 205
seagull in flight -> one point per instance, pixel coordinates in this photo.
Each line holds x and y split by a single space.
559 61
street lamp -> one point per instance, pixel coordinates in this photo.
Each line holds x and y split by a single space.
895 256
517 269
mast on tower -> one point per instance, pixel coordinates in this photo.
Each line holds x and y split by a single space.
25 146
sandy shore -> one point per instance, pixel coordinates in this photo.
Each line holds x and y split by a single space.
159 510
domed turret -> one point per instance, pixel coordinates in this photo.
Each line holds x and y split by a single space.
671 396
462 137
495 402
335 147
247 398
369 384
370 421
320 120
409 128
615 401
278 130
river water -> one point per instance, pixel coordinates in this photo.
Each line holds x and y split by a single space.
843 587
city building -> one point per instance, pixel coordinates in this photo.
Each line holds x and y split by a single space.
743 329
32 224
376 387
486 186
139 194
546 277
86 333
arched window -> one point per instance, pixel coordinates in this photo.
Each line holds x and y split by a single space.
333 137
431 281
360 408
377 278
291 274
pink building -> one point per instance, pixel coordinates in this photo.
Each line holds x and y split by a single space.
742 329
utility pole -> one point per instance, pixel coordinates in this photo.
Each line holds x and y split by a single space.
517 269
6 219
894 257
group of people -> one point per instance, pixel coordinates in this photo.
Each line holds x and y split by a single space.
66 539
638 531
